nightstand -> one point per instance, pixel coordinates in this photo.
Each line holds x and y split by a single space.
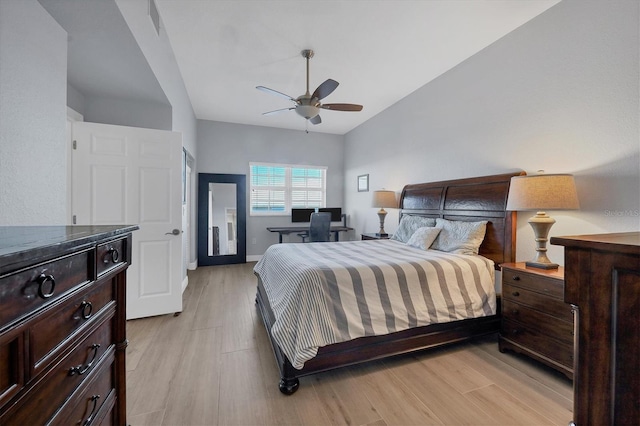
374 237
535 320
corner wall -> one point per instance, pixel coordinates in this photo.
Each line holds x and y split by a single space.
559 93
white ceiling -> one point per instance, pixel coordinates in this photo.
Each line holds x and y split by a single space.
379 51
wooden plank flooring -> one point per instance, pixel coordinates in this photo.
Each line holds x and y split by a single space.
213 365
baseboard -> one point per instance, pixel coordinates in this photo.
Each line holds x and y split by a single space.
185 283
192 266
254 258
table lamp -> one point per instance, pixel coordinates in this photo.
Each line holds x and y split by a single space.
383 199
538 193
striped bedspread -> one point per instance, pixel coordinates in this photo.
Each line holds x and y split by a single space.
325 293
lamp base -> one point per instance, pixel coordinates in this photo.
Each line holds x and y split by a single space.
541 223
539 265
382 213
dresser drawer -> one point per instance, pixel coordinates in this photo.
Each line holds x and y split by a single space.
554 307
27 290
59 383
539 284
536 320
47 332
85 405
12 372
558 351
111 255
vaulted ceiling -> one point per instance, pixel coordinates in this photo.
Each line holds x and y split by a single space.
378 50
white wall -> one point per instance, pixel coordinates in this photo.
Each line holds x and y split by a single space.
228 148
33 75
559 93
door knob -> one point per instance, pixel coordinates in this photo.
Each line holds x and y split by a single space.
174 232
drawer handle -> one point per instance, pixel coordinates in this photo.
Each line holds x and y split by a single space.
89 419
80 370
516 278
86 309
515 312
112 255
515 294
43 281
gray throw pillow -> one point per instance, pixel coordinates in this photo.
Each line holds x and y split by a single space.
423 237
459 237
409 224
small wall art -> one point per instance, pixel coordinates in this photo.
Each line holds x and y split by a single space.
363 183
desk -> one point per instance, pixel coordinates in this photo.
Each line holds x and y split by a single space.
286 230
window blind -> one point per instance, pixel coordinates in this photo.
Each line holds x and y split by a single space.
276 189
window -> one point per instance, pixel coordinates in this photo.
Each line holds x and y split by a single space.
277 188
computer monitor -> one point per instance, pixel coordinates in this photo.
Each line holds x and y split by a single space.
304 215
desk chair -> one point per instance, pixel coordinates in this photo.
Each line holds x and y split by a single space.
319 228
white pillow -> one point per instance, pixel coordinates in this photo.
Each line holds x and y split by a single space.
423 237
459 237
409 224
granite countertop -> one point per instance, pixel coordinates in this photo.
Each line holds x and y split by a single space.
22 244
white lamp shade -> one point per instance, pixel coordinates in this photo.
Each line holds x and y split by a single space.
543 192
384 199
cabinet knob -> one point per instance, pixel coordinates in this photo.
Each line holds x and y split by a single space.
46 285
112 255
516 278
86 308
515 294
515 312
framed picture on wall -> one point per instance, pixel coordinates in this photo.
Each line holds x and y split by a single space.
363 183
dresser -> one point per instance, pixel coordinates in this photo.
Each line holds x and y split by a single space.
535 319
602 279
62 324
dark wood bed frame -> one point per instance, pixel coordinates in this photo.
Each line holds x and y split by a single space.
472 199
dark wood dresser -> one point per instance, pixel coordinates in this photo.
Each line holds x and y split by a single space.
602 278
535 319
62 324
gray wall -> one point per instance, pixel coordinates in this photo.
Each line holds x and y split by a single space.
228 148
559 93
33 75
127 112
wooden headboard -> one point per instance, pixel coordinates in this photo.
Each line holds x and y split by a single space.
472 199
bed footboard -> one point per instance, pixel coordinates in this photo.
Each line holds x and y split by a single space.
374 347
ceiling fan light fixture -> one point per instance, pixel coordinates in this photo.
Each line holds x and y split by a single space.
307 111
309 105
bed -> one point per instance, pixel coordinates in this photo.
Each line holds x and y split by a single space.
356 339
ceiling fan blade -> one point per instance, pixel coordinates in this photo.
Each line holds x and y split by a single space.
342 107
325 89
277 111
315 120
275 92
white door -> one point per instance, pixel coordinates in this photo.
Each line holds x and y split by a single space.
132 176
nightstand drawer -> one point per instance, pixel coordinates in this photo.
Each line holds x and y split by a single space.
538 301
543 285
558 351
533 319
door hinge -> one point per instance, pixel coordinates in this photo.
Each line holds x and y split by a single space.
75 145
74 219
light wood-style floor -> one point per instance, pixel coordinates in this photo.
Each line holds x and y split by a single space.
213 365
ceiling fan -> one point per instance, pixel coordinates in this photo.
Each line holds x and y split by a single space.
308 105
